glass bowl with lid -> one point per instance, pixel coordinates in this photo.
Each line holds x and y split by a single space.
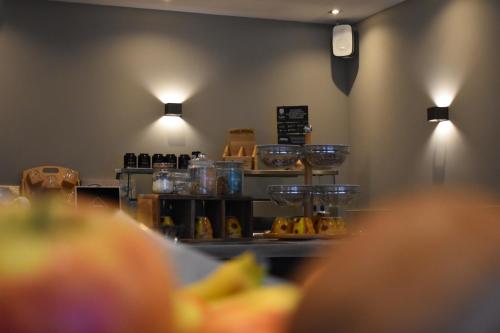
203 176
230 176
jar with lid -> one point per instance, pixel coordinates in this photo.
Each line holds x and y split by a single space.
171 159
182 182
203 176
157 160
229 178
144 161
162 182
184 161
130 160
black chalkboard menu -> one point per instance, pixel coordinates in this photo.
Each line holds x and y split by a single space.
291 123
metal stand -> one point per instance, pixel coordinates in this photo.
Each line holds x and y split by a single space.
308 180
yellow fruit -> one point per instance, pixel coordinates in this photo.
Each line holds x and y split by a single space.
304 226
203 229
332 226
190 314
263 310
237 275
233 227
282 225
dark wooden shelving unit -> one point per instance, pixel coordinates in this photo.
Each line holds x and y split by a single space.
185 209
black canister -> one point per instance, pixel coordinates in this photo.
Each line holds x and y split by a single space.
157 158
144 161
130 160
184 161
171 159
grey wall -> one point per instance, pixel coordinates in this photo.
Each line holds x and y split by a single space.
80 85
416 55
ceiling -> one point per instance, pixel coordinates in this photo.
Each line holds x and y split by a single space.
315 11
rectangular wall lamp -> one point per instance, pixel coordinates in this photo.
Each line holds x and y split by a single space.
437 114
173 109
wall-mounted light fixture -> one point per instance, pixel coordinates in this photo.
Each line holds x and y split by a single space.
173 109
437 114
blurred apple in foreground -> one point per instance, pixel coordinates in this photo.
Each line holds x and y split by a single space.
429 264
66 272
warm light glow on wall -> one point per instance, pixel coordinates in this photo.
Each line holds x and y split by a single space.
170 131
445 148
444 130
444 62
171 123
443 97
172 95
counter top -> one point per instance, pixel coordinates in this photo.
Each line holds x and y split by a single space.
264 248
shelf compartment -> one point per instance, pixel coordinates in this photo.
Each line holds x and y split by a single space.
243 211
185 209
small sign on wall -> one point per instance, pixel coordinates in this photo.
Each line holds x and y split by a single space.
292 121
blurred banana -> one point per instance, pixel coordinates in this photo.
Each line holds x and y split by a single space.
237 275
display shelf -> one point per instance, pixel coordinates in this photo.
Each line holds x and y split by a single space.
288 173
203 197
248 173
133 171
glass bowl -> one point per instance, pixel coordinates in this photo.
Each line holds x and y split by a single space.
279 156
326 156
336 195
289 195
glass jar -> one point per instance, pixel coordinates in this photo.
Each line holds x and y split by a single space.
144 161
184 161
162 182
182 182
171 159
203 176
130 160
230 178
